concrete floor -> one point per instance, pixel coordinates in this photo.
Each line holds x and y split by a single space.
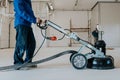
59 68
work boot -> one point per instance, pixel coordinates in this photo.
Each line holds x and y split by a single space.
32 66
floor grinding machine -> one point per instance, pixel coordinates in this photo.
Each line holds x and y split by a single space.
95 59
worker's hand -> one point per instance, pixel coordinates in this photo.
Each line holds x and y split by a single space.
39 21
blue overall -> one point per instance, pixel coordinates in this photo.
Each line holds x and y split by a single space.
25 40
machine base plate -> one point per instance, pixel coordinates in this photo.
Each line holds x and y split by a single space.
101 63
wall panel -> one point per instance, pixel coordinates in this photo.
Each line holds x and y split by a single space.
110 23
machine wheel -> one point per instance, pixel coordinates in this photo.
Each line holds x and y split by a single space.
79 61
110 57
72 55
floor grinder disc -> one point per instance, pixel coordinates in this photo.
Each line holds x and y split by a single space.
101 63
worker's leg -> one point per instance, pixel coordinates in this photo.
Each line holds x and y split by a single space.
31 44
21 39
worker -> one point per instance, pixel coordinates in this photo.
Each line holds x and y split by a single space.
25 40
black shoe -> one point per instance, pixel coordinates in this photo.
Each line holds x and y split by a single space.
32 66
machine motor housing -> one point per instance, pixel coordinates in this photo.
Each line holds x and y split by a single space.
101 45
